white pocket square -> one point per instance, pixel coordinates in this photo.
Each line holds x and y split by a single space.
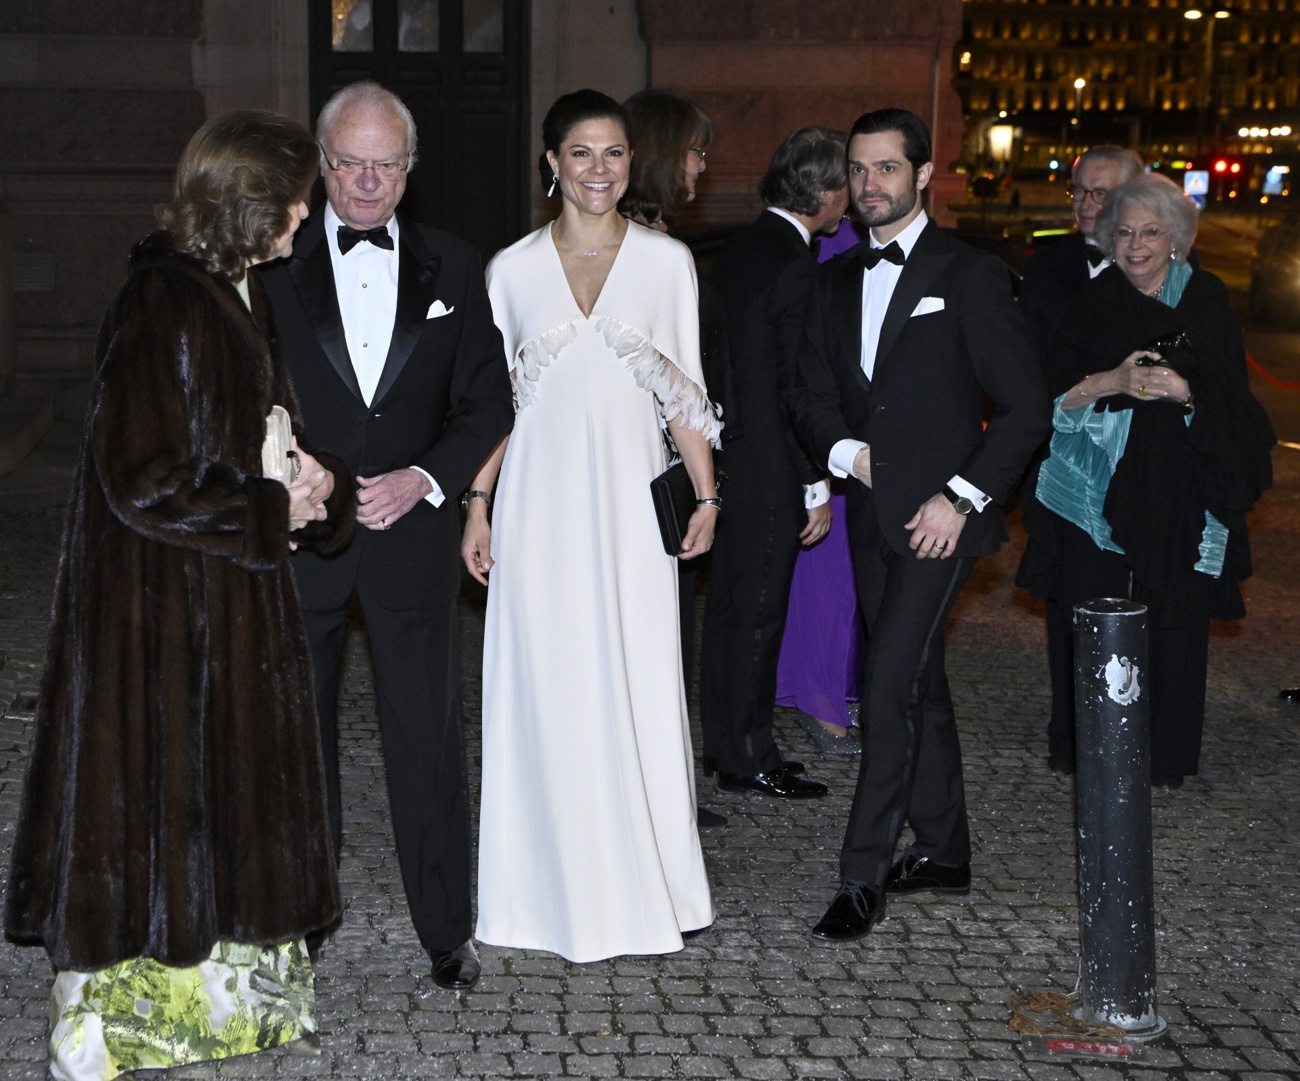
438 309
928 305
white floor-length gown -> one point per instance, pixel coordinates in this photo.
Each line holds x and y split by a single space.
587 840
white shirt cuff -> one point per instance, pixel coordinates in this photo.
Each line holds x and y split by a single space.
964 487
435 497
842 455
814 495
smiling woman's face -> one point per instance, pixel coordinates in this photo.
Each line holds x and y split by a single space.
593 165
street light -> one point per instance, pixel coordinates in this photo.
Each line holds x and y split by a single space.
1219 10
1079 84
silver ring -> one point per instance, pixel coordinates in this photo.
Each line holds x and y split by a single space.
941 547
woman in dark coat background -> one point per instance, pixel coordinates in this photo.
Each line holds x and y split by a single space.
173 850
1159 452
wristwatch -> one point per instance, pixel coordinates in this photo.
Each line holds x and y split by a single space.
960 503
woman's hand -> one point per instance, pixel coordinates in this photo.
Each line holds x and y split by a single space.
307 495
476 543
1147 383
699 532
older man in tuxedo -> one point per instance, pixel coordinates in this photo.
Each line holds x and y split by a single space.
776 498
386 328
1053 274
903 338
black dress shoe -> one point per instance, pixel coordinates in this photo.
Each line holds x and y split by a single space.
1289 694
853 913
914 873
710 766
458 969
1167 780
778 783
706 819
1059 763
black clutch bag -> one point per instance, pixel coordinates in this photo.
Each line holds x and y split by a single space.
1175 352
674 499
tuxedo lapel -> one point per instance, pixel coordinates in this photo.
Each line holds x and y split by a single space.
849 313
923 266
312 275
417 282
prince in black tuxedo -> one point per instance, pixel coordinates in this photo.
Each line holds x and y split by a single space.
903 337
399 369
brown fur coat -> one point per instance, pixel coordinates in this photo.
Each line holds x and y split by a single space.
175 793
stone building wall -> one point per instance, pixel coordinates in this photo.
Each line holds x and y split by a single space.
762 68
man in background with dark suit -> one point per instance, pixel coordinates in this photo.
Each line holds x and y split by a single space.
1053 274
901 344
1052 277
387 331
776 498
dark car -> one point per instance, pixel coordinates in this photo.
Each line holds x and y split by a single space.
1275 275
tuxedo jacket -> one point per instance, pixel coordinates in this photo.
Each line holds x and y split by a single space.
443 403
764 274
951 336
1052 276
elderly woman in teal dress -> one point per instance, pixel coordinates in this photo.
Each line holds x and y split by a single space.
1159 452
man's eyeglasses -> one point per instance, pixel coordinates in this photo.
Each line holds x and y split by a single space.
385 170
1079 195
1149 235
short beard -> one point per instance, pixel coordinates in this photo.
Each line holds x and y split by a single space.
896 210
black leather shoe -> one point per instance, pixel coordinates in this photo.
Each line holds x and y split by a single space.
710 766
914 873
1167 780
458 969
706 819
778 783
1059 763
853 913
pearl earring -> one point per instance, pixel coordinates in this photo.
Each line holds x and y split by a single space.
555 179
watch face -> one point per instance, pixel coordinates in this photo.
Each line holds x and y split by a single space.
963 505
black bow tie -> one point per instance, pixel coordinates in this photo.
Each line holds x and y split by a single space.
891 252
349 238
1095 255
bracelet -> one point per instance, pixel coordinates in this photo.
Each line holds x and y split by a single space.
714 502
475 494
1186 403
1081 387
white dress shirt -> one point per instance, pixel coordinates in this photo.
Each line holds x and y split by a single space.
1093 271
878 285
365 281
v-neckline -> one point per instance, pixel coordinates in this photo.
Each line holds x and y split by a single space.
586 316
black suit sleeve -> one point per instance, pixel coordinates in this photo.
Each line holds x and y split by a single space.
789 301
816 399
1004 362
482 410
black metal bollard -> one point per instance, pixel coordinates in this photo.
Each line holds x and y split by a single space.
1113 785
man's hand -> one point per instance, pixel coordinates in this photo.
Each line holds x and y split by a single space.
862 465
384 499
819 524
935 528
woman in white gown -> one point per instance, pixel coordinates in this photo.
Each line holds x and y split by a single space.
587 840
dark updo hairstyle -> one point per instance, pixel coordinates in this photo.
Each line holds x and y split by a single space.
567 113
237 183
663 127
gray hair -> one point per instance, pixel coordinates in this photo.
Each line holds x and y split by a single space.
809 162
366 94
1161 197
1129 161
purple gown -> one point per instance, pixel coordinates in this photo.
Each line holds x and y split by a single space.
820 670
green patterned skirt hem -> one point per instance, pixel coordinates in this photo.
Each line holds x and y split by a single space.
139 1014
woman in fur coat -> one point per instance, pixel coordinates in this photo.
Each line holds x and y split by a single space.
172 850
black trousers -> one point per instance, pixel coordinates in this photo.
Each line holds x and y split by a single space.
1176 661
911 759
417 683
744 620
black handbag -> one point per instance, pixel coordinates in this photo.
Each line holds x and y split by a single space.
1175 352
674 499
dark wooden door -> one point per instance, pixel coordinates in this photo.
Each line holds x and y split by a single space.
461 66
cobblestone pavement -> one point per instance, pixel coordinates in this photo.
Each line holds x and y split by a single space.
924 996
